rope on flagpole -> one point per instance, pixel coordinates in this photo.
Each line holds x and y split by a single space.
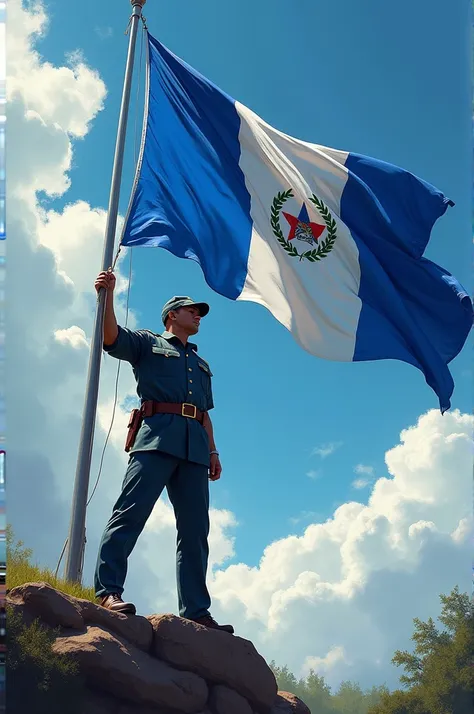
116 389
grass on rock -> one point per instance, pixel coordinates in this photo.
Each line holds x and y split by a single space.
21 570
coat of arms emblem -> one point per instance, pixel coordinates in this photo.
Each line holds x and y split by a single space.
302 229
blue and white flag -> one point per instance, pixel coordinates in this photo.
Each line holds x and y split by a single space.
329 241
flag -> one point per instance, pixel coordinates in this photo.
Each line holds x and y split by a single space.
330 242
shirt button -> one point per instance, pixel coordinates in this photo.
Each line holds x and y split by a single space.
190 381
189 392
187 355
190 369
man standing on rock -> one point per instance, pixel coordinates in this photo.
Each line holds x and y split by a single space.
171 443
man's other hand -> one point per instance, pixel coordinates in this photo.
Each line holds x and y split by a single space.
215 468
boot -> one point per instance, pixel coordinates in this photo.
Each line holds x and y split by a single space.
209 622
114 602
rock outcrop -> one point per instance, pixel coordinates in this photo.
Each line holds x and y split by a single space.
160 664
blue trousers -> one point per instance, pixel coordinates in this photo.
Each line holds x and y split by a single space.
187 484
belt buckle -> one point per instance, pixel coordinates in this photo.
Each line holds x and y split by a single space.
190 406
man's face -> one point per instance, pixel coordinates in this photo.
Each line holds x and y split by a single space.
188 319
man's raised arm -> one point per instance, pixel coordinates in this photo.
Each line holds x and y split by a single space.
107 280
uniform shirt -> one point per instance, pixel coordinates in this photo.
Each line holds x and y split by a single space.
168 371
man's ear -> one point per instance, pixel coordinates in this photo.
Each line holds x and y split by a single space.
171 316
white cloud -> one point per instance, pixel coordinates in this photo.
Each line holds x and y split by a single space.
66 97
347 589
313 474
360 483
74 58
75 236
323 665
462 530
363 469
74 336
325 450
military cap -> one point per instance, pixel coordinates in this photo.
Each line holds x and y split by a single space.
179 301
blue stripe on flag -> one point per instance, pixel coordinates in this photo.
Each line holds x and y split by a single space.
412 309
191 197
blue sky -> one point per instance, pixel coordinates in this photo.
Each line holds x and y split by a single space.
390 81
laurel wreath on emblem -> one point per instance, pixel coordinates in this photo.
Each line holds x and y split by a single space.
324 248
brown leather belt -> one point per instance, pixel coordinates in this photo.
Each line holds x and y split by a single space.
150 408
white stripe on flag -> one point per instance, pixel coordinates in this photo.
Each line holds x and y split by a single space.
318 302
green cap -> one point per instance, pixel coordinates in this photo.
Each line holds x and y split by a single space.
181 301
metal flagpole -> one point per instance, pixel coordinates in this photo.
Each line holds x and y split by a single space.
76 539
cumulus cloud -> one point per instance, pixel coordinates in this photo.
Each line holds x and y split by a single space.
74 336
346 591
323 665
68 97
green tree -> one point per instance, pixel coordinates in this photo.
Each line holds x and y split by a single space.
439 675
313 690
287 681
316 693
350 699
374 695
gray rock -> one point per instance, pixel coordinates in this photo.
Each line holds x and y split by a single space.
95 703
111 665
42 601
216 656
18 609
132 709
289 704
223 700
133 628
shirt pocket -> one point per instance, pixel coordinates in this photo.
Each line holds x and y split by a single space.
165 361
206 375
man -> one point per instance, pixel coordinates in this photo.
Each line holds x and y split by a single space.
171 444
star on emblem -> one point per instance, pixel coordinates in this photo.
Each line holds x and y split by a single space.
302 228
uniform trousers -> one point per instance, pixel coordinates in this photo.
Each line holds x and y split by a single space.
187 484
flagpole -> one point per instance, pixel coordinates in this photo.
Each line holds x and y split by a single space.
76 539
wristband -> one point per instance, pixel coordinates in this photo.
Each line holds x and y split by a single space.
214 452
